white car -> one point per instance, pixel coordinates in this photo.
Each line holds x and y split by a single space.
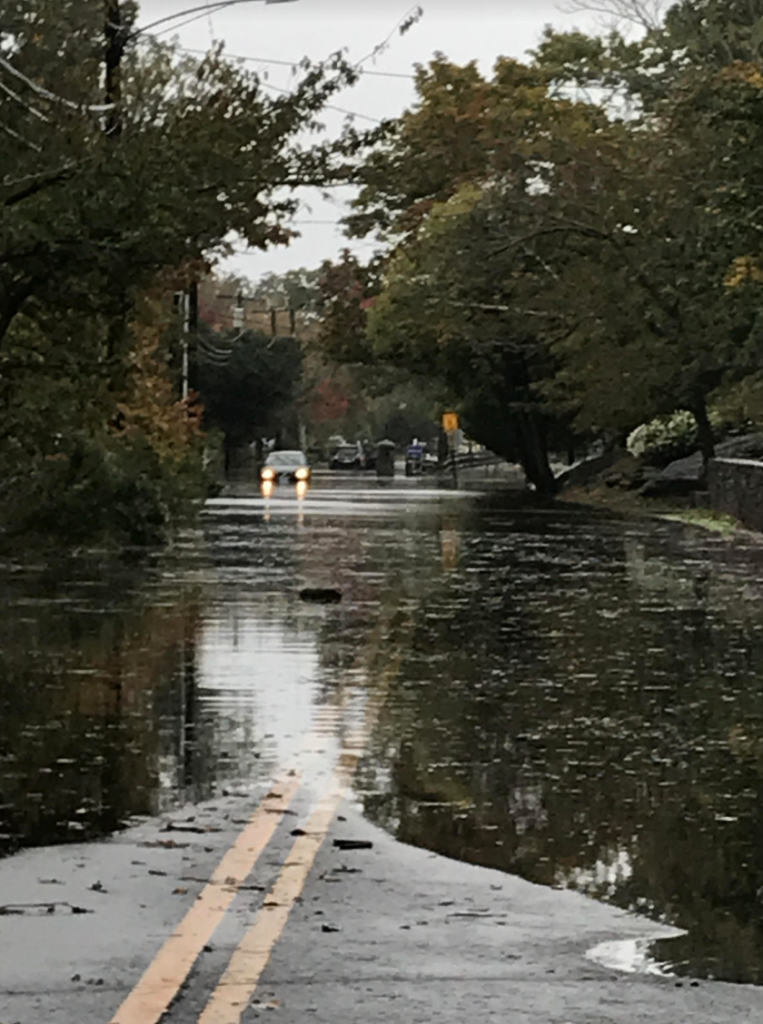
285 465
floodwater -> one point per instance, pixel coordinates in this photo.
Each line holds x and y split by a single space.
560 694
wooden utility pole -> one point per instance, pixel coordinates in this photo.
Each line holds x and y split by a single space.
116 38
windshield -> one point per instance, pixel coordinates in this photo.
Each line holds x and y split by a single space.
281 459
349 450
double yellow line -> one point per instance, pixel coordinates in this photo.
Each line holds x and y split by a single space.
161 982
163 979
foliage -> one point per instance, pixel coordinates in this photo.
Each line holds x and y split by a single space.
472 161
125 167
249 393
347 292
664 439
588 260
296 289
201 150
82 462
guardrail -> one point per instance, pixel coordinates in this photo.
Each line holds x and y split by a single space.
464 460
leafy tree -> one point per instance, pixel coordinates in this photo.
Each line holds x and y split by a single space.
123 164
201 151
296 289
666 244
605 268
444 306
248 388
464 129
445 310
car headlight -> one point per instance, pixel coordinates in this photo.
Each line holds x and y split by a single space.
268 473
302 473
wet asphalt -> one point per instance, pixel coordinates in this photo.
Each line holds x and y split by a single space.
390 933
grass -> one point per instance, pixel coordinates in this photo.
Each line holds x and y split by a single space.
630 503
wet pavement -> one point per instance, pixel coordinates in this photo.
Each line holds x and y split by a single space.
553 693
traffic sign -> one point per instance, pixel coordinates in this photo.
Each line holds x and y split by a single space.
450 422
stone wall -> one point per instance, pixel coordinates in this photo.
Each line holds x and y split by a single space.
735 487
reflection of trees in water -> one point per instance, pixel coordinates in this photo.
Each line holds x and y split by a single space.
566 717
87 701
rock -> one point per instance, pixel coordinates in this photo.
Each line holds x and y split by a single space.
584 471
677 479
320 595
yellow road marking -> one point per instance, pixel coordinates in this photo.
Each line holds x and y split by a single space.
163 978
239 982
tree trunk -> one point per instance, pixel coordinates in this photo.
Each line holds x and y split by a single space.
704 431
11 302
533 454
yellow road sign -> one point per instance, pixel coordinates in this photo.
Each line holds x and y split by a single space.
450 422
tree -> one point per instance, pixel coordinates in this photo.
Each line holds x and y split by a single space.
613 254
463 129
124 166
248 388
444 305
665 246
446 310
201 151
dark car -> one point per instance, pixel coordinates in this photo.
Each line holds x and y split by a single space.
347 456
285 465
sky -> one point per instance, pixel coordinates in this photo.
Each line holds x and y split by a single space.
463 30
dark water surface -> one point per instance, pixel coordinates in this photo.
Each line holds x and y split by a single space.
566 696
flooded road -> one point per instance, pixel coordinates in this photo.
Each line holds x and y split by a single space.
565 696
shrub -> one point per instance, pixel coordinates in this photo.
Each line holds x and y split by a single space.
664 439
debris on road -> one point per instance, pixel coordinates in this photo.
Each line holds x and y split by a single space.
320 595
11 909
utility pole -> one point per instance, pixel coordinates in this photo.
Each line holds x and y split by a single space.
116 39
272 312
186 310
187 304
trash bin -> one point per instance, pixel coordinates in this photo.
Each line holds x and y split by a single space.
385 458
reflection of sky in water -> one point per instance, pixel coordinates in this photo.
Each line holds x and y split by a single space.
631 956
602 879
258 676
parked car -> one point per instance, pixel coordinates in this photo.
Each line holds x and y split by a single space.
290 465
419 460
369 452
348 456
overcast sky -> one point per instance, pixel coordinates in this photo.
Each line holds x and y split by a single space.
461 29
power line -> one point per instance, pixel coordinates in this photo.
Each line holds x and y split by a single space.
206 8
15 96
211 25
98 108
182 24
326 106
408 19
295 63
19 138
